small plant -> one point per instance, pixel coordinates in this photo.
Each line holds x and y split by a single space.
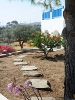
6 49
21 90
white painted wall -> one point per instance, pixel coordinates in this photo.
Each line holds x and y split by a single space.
52 25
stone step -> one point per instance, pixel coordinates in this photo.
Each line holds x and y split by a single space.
43 98
18 52
18 60
20 63
32 73
28 68
40 83
3 55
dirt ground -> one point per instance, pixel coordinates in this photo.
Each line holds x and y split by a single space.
52 68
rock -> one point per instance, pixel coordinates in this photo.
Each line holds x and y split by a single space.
20 63
32 73
40 83
29 68
18 60
43 98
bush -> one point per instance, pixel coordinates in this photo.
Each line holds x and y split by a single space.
6 49
46 42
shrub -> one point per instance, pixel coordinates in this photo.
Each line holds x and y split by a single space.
46 42
6 49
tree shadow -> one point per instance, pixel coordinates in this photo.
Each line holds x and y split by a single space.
45 89
57 57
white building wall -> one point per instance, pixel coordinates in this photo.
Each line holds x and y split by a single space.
53 24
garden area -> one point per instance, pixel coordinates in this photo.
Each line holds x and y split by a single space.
49 62
52 69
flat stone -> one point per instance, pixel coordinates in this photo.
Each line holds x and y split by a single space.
19 60
18 52
3 55
2 97
22 56
32 73
29 68
40 83
43 98
20 63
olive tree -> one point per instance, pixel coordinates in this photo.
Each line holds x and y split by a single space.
22 33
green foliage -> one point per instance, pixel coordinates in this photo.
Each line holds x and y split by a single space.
23 32
46 42
6 35
36 38
17 32
47 4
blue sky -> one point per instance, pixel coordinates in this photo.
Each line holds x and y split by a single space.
23 12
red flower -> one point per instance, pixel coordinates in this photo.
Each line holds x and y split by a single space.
58 37
44 36
6 49
54 37
48 35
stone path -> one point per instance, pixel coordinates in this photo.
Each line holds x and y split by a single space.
20 63
18 60
31 71
3 55
29 68
40 83
44 98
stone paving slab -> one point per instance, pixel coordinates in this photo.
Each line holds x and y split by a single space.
2 97
18 52
32 73
43 98
20 63
18 60
3 55
21 56
40 83
29 68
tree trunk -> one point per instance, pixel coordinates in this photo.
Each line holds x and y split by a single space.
69 37
21 44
